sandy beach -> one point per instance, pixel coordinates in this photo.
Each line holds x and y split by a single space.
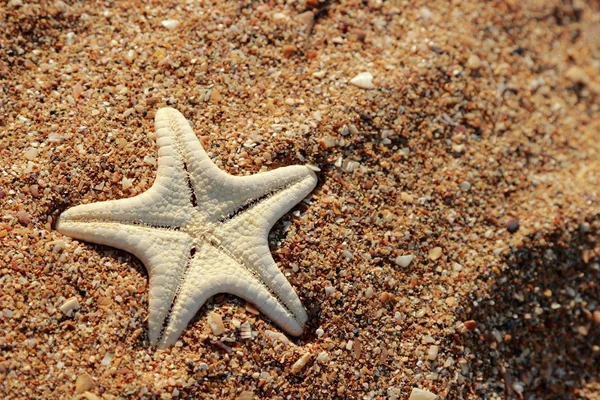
452 243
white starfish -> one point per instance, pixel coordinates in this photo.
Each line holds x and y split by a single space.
199 231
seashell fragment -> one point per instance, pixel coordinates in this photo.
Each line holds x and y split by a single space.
216 323
299 365
246 330
70 304
364 80
169 23
420 394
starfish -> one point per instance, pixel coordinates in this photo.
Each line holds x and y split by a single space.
199 231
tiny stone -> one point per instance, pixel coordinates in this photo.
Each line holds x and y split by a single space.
69 304
435 253
457 267
596 316
465 185
23 217
31 153
323 357
34 190
577 75
170 23
329 290
288 50
299 365
512 225
364 80
319 74
216 323
245 395
320 332
83 383
450 301
432 353
405 197
473 62
419 394
471 325
404 261
215 96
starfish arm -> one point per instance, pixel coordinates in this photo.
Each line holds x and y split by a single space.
166 203
218 193
246 235
213 271
163 252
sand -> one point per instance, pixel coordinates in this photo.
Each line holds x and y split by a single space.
451 245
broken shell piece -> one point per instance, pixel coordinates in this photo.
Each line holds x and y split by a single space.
420 394
216 323
169 23
277 336
246 330
70 304
298 365
364 80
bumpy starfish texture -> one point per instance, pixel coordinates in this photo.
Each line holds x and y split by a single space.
199 231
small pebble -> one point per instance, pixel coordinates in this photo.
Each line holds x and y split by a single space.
465 185
245 395
435 253
216 323
364 80
512 225
69 304
473 62
432 353
577 75
170 23
405 197
471 325
420 394
31 153
83 383
299 365
323 357
23 217
404 261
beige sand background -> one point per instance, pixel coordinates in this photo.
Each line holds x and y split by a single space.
476 152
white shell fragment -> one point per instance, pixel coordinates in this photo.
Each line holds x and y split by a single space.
404 261
364 80
420 394
246 330
299 365
216 323
69 305
170 23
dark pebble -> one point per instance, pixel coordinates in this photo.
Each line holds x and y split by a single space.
512 225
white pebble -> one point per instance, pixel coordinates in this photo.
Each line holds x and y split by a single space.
329 290
170 23
323 357
419 394
432 353
404 261
473 62
320 332
364 80
69 304
298 365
